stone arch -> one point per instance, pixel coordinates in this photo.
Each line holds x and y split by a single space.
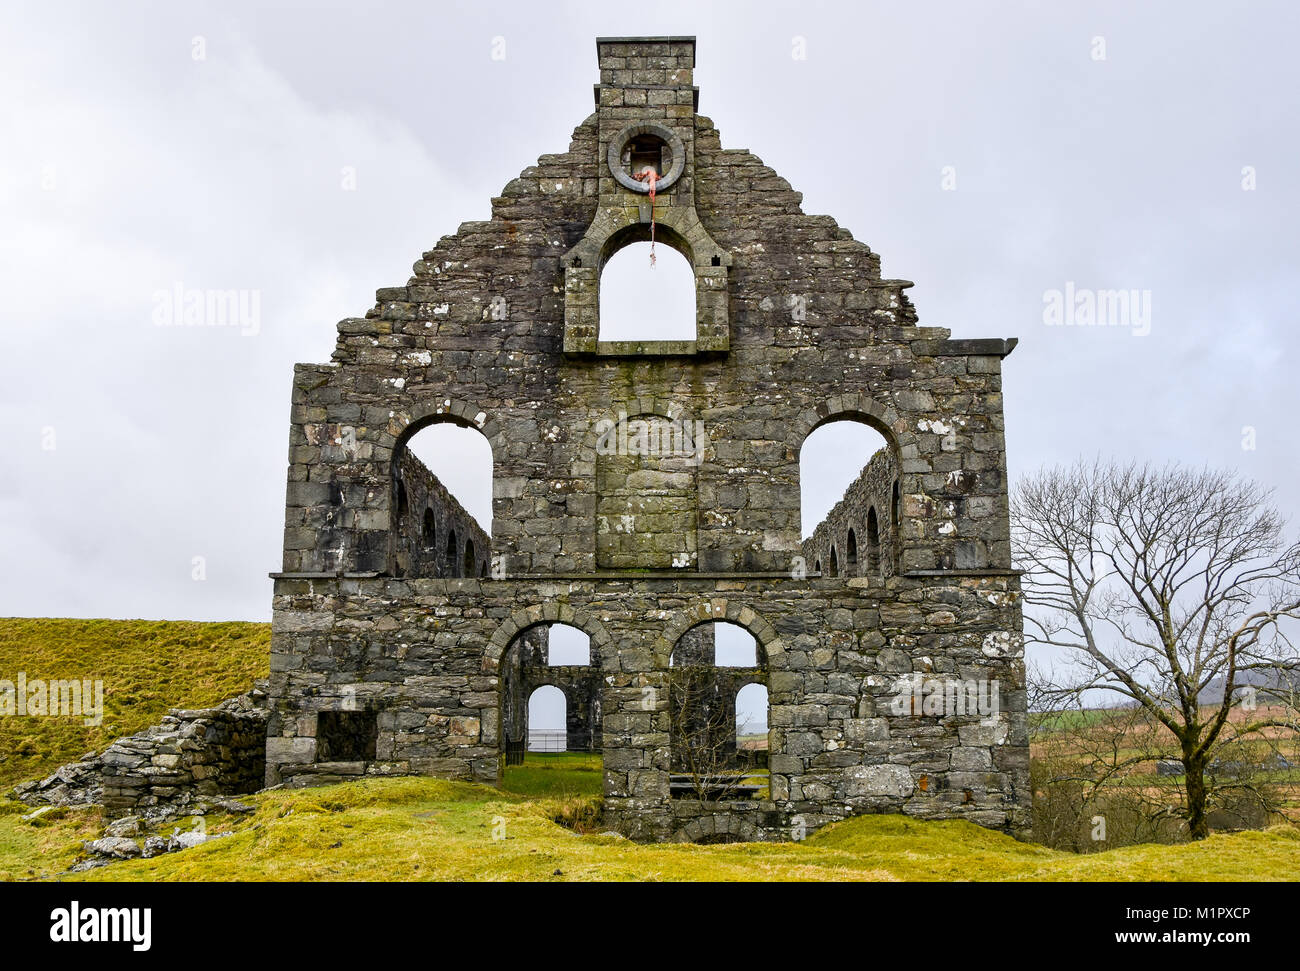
851 553
603 651
771 648
533 688
715 825
615 227
453 554
856 407
402 425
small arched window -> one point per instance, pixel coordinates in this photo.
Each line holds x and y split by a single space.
403 504
469 569
873 542
429 531
644 301
835 563
896 524
851 554
453 555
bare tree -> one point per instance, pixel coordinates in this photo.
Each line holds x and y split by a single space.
703 729
1160 588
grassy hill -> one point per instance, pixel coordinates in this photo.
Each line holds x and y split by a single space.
146 666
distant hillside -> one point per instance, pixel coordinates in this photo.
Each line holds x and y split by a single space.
146 667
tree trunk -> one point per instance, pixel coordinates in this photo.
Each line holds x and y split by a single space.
1194 769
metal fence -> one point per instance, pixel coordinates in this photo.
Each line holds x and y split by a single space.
545 740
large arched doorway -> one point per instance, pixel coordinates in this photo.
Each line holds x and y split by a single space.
561 657
711 667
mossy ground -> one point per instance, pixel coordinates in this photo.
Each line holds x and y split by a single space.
430 829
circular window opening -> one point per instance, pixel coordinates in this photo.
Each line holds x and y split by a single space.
638 148
647 152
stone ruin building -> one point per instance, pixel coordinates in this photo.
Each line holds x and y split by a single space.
406 638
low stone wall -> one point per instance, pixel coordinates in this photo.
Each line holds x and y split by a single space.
188 755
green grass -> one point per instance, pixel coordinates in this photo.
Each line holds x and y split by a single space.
424 829
147 667
431 829
561 775
1050 722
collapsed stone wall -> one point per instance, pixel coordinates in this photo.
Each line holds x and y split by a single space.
191 753
859 536
433 534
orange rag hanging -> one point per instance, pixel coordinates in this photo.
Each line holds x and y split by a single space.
648 174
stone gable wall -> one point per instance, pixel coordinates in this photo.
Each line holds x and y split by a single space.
497 329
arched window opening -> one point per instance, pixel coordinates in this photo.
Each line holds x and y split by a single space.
873 542
568 646
547 720
751 718
818 567
452 568
845 466
640 301
895 520
471 567
443 475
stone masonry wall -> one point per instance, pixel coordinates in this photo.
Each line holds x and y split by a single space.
841 654
191 753
497 330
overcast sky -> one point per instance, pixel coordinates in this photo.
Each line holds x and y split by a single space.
308 154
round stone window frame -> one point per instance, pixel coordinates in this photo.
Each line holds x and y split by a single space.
619 142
